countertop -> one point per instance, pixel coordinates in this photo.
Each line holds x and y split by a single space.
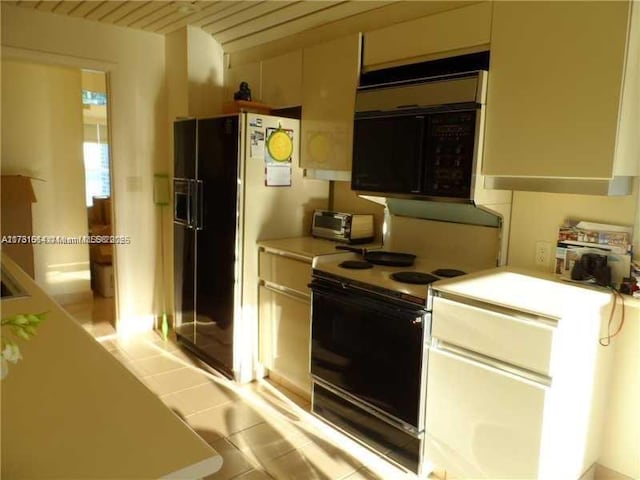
71 410
306 248
529 291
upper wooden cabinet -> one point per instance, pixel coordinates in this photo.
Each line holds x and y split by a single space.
282 80
329 80
457 29
563 92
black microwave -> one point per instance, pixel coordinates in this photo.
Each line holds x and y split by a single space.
407 142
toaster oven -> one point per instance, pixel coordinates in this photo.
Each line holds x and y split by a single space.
342 227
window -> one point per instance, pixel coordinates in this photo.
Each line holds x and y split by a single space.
96 171
93 98
96 147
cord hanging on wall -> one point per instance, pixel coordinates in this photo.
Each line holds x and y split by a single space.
161 197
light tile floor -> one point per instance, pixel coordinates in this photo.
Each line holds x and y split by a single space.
262 432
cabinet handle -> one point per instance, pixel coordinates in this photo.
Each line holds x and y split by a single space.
488 363
287 292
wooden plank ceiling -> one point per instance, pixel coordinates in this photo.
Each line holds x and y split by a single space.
235 24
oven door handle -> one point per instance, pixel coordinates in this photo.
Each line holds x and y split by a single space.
342 292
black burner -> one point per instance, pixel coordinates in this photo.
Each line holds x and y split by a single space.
356 264
448 272
417 278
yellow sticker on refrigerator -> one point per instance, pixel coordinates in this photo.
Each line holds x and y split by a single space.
280 144
277 157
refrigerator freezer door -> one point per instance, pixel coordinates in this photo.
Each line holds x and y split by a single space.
184 280
183 236
216 240
184 149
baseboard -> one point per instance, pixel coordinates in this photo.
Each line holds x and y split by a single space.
74 297
279 379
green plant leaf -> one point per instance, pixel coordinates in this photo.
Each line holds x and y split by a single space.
21 333
20 319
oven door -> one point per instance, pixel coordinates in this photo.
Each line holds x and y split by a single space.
370 348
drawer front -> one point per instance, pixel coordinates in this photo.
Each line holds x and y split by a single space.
481 422
518 341
285 271
284 332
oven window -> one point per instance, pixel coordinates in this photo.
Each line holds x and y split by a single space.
369 349
328 221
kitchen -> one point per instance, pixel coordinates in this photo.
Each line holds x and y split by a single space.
141 60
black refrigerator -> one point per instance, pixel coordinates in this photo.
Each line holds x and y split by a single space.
229 193
205 186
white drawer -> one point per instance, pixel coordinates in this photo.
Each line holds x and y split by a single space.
519 341
287 272
481 422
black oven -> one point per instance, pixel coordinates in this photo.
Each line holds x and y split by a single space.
367 364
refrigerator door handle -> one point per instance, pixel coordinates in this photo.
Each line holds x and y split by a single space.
197 220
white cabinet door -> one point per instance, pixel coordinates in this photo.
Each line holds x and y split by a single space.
482 422
555 88
284 332
446 33
329 81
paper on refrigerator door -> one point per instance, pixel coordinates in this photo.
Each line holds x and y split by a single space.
277 176
256 144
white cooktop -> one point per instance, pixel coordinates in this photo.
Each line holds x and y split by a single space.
380 275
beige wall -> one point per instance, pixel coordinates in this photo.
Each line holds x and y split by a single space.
135 62
345 200
621 433
94 81
42 137
537 216
205 69
194 74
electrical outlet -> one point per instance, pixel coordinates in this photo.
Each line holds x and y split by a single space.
543 254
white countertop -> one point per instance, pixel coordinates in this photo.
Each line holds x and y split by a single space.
71 410
528 291
306 247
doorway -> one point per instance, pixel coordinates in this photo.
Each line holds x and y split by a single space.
43 138
97 174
